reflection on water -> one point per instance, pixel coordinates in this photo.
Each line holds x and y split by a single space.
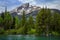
27 37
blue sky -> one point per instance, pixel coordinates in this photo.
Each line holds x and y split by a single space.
11 4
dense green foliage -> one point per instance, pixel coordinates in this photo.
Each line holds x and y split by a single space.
46 22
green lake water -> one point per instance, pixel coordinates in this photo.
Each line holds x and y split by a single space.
27 37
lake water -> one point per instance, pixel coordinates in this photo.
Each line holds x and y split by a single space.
27 37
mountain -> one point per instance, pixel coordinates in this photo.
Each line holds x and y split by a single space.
26 7
29 10
55 10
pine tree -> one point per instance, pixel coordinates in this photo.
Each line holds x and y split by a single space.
56 18
30 23
43 20
39 22
23 19
24 23
1 21
7 19
17 22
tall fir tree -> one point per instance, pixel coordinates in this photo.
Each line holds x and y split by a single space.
24 23
30 23
1 22
8 20
17 22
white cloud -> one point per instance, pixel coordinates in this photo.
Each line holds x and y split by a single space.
53 4
26 1
32 2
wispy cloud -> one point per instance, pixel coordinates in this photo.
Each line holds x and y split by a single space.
11 4
49 3
55 4
26 1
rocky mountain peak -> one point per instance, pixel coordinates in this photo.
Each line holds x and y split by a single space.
26 7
